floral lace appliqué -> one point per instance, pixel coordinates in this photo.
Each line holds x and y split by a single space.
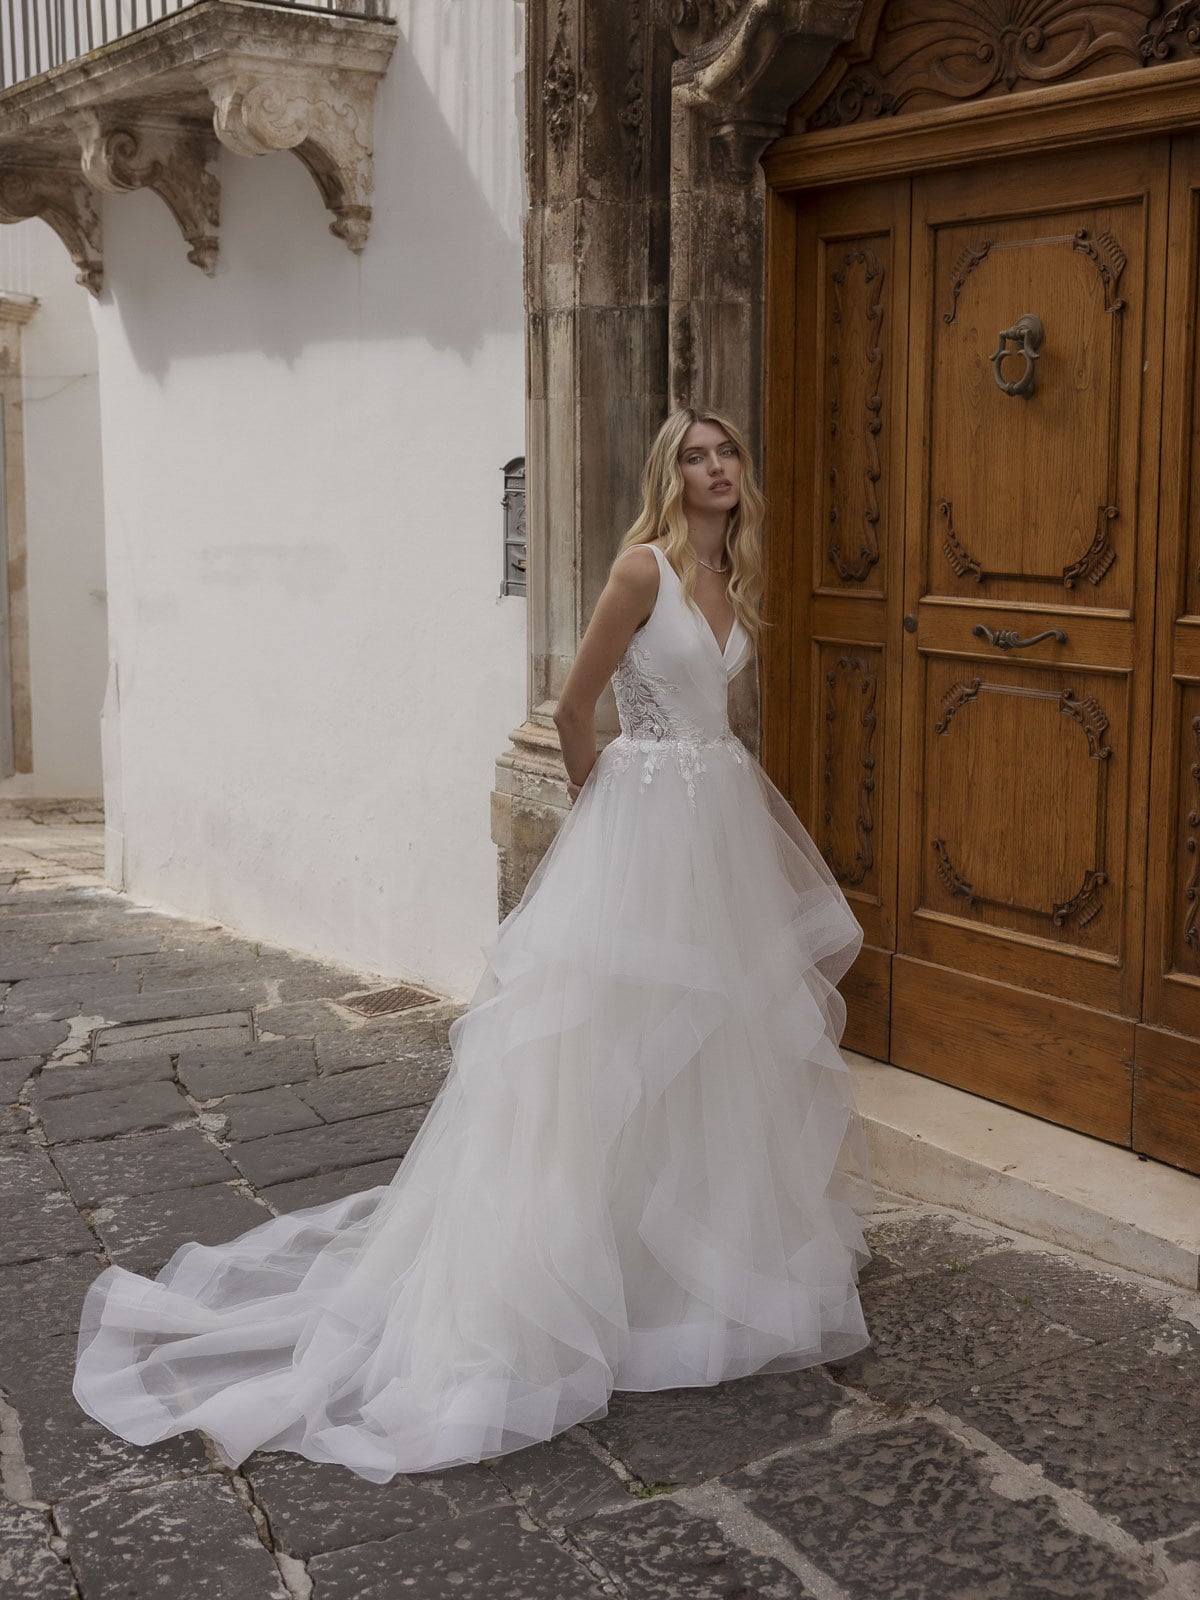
652 735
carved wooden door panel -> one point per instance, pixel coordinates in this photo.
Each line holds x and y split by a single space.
1034 370
842 674
1166 1111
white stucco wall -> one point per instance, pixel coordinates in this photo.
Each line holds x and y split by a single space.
312 669
63 516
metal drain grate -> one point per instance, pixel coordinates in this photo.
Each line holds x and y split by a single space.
382 1002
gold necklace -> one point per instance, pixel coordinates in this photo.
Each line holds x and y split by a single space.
710 567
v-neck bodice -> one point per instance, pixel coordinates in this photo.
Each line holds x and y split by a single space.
673 679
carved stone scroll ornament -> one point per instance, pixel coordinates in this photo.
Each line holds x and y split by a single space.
61 197
177 162
327 118
560 89
696 23
745 62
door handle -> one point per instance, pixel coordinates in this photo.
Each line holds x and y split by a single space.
1010 639
1026 334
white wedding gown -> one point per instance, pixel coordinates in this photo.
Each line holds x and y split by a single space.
627 1180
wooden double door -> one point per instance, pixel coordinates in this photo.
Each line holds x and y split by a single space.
983 689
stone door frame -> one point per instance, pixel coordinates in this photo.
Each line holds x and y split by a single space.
642 148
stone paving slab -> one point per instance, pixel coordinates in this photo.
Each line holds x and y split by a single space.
64 1451
141 1163
491 1554
911 1511
41 1300
1024 1423
563 1480
373 1043
940 1328
682 1436
327 1186
29 1569
14 1120
187 1003
902 1244
1119 1423
39 1217
44 997
303 1019
363 1090
313 1507
1094 1303
145 946
216 1030
30 1038
1187 1548
209 1073
130 1108
16 1072
142 1232
239 1117
55 1082
661 1552
284 1156
191 1539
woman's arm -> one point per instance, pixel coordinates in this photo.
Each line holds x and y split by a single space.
624 604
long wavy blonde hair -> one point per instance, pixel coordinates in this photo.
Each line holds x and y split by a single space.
662 515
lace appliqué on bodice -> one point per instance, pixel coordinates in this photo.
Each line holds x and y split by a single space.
650 733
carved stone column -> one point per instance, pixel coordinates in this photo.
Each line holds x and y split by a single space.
596 267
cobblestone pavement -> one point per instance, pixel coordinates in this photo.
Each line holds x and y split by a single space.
1024 1425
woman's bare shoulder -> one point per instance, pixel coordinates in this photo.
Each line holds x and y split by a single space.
637 567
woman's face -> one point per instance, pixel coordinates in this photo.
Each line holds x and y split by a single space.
711 467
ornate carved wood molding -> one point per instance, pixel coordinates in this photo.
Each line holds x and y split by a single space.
1085 904
1191 891
1092 564
858 566
864 822
138 114
910 58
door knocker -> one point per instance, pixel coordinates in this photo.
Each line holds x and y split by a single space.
1027 335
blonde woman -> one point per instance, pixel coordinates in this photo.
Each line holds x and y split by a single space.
630 1178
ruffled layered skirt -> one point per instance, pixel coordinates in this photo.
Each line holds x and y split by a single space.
644 1170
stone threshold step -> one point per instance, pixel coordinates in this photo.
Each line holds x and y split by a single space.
932 1142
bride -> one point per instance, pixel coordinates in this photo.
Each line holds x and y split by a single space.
645 1168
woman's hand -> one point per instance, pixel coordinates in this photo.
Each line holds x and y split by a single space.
573 791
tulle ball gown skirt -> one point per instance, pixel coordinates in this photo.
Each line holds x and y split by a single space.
644 1169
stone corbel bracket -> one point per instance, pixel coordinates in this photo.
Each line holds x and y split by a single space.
327 118
148 111
60 196
743 79
176 161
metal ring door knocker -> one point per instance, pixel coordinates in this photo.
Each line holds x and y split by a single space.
1027 334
